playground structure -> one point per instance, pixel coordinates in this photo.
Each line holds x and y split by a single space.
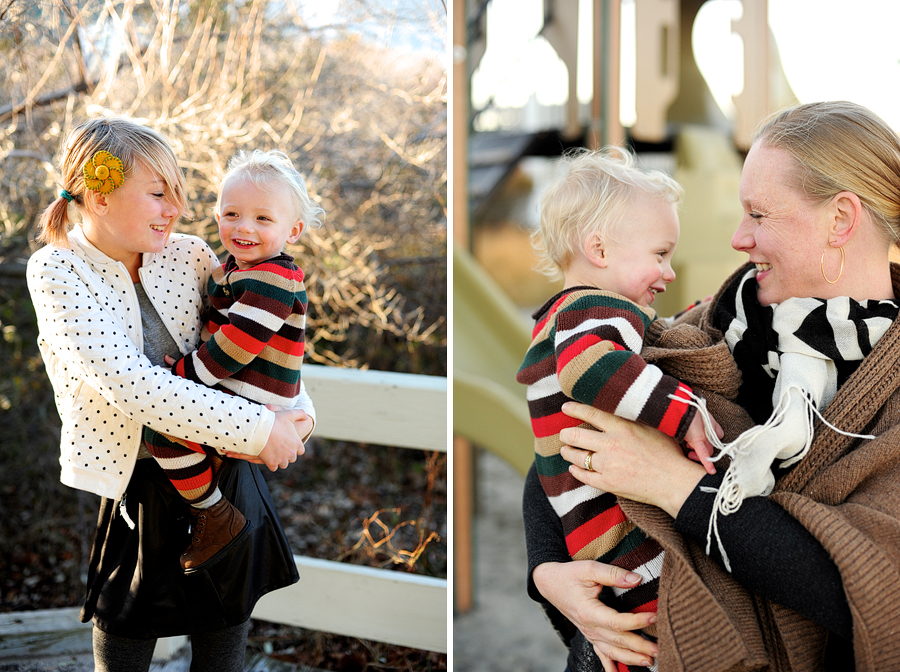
675 115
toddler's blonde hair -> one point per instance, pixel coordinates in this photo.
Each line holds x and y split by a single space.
123 138
267 169
590 194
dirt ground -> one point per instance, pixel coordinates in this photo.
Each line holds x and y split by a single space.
506 630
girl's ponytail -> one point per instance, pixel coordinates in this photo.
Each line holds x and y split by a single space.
54 224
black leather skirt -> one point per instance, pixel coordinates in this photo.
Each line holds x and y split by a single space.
135 585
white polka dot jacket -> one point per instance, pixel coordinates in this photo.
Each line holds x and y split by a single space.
105 388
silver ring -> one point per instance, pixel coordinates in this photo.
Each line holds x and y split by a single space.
587 461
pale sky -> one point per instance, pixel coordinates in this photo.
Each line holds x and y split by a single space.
830 49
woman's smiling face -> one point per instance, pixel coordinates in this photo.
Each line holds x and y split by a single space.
783 232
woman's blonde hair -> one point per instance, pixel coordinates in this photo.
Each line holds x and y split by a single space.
126 139
590 194
841 146
266 169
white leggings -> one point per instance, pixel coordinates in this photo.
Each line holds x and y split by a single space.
217 651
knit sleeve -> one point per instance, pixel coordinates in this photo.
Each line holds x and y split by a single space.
772 555
269 311
597 345
93 347
544 542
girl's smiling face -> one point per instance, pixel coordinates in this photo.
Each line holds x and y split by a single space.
134 219
256 222
783 232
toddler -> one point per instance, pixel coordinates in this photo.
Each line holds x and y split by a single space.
611 228
253 336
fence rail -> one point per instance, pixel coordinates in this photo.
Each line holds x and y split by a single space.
383 408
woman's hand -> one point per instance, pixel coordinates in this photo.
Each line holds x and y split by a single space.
285 442
629 459
573 588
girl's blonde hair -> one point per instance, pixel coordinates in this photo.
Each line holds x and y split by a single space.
590 194
123 138
266 169
841 146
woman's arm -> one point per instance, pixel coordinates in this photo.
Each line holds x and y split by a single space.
569 590
771 553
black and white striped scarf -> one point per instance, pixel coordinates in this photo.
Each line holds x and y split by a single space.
793 357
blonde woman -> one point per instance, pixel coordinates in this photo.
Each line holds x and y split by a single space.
779 561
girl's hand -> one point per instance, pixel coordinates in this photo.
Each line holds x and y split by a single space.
285 442
573 588
629 459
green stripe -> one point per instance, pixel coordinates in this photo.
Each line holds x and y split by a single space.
598 374
593 301
631 541
550 466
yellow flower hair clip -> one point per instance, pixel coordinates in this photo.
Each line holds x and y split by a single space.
104 173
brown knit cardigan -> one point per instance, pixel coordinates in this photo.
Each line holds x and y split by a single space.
846 492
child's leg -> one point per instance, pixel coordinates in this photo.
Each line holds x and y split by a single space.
215 522
188 466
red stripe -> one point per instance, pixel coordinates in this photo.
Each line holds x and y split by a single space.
193 483
594 528
649 606
243 340
576 348
275 269
286 345
550 425
672 419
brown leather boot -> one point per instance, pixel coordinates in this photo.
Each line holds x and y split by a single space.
212 530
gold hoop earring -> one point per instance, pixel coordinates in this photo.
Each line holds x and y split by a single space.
822 264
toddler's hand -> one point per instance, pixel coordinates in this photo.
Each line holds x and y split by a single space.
701 448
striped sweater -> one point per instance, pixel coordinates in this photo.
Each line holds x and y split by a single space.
253 338
585 347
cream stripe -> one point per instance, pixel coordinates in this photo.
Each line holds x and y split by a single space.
545 387
638 393
567 501
630 337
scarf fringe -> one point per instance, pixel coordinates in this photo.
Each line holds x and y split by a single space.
730 495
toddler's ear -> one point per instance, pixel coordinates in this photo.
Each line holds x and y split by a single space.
296 230
595 250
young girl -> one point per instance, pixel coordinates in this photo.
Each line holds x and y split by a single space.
253 336
113 297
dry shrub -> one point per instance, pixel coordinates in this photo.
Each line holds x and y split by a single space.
365 124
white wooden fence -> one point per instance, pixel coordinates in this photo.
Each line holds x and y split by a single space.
374 407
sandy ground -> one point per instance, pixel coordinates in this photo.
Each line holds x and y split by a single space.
505 631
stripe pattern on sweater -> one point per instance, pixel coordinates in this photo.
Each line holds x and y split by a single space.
585 347
252 345
253 338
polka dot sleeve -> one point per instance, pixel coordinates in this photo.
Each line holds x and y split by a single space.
89 322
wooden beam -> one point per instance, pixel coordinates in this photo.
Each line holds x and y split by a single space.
380 407
378 604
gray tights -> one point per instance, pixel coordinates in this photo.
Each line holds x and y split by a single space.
217 651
